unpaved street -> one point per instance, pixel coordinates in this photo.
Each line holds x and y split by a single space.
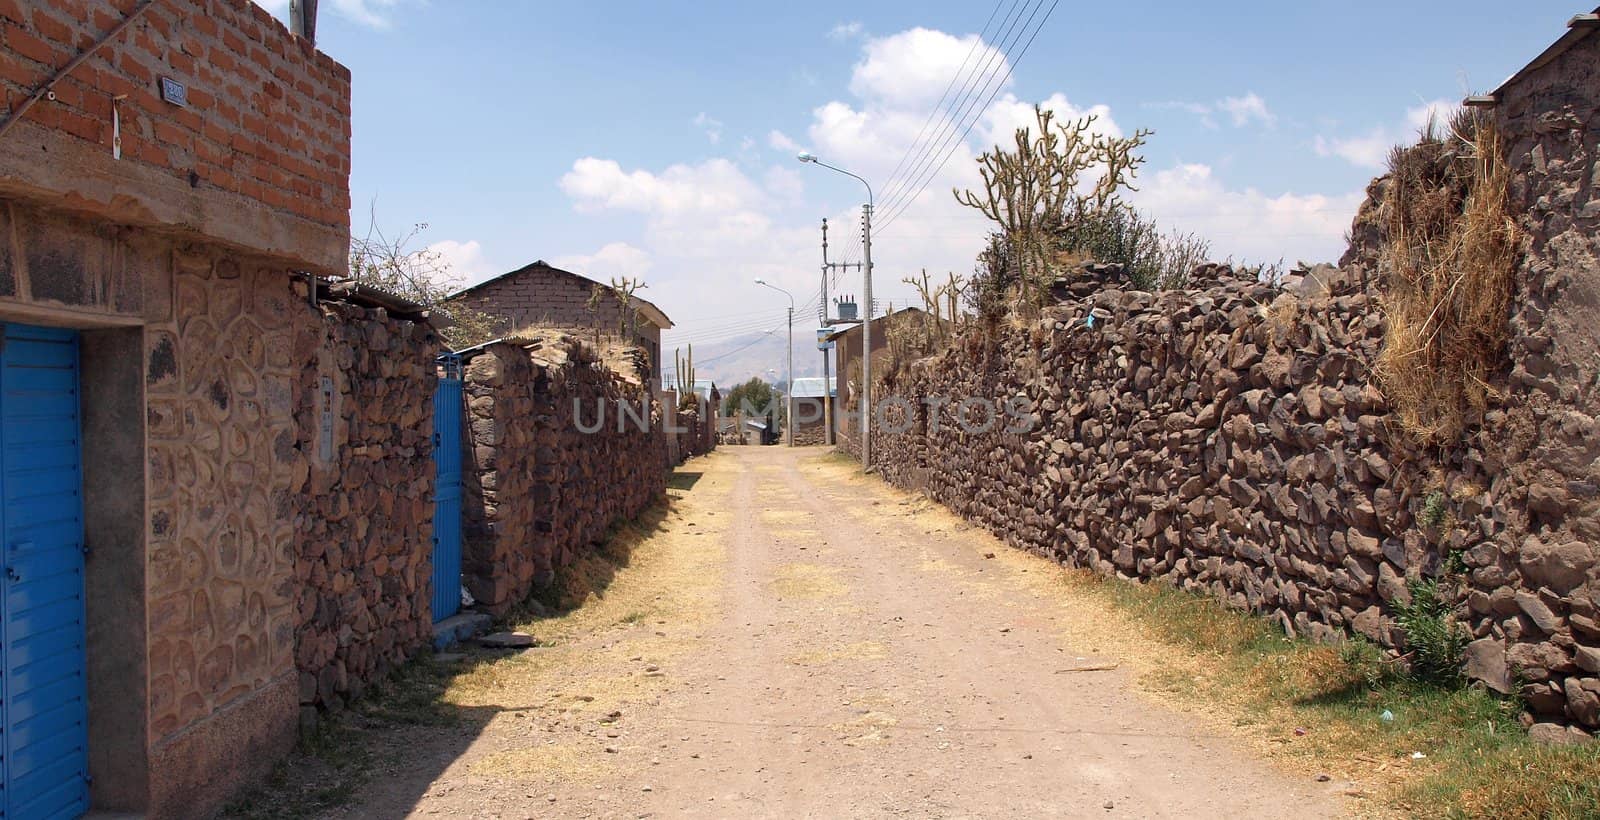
795 641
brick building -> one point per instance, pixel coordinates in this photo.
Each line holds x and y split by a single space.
545 295
178 420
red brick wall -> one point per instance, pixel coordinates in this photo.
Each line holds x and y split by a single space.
268 115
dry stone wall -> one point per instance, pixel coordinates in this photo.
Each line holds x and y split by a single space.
698 434
1231 440
539 489
364 490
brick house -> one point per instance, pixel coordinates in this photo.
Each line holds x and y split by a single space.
188 507
542 294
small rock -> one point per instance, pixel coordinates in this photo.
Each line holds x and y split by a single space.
1552 734
1109 805
648 789
1322 778
508 640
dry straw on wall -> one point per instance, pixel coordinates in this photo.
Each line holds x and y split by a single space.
1447 259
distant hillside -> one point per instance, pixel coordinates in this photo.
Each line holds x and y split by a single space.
741 358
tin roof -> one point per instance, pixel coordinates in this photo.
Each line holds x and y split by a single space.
810 387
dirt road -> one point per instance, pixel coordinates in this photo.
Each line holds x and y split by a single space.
793 641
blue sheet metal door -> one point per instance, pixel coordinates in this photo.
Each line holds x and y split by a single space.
447 490
45 700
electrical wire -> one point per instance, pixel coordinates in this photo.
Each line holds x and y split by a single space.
897 183
889 220
998 57
939 106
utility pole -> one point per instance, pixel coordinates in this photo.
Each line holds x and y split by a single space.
827 271
788 398
827 378
303 19
866 334
866 324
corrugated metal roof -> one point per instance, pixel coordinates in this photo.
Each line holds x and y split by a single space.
810 387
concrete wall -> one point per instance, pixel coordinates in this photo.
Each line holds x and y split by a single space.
220 398
539 490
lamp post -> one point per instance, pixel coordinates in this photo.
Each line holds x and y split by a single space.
866 296
788 393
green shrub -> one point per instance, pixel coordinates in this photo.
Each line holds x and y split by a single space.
1436 641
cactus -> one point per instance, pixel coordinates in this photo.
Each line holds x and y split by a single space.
684 366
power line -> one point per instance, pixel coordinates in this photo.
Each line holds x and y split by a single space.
906 203
939 106
964 104
740 348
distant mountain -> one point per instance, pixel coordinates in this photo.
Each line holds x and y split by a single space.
741 358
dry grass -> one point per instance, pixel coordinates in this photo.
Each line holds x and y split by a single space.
1448 259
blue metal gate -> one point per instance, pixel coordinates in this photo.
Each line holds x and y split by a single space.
447 490
45 699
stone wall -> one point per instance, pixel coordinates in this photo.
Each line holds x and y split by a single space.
699 433
539 490
1231 440
810 422
364 498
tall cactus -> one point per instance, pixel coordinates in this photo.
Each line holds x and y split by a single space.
685 372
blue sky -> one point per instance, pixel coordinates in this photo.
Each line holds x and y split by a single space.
657 139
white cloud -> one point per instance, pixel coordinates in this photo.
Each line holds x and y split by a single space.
1370 151
710 227
711 127
1438 112
845 31
1247 224
1241 111
1247 108
781 142
785 183
613 260
913 68
464 260
999 123
716 185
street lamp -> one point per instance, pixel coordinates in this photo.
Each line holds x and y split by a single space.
866 295
788 393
